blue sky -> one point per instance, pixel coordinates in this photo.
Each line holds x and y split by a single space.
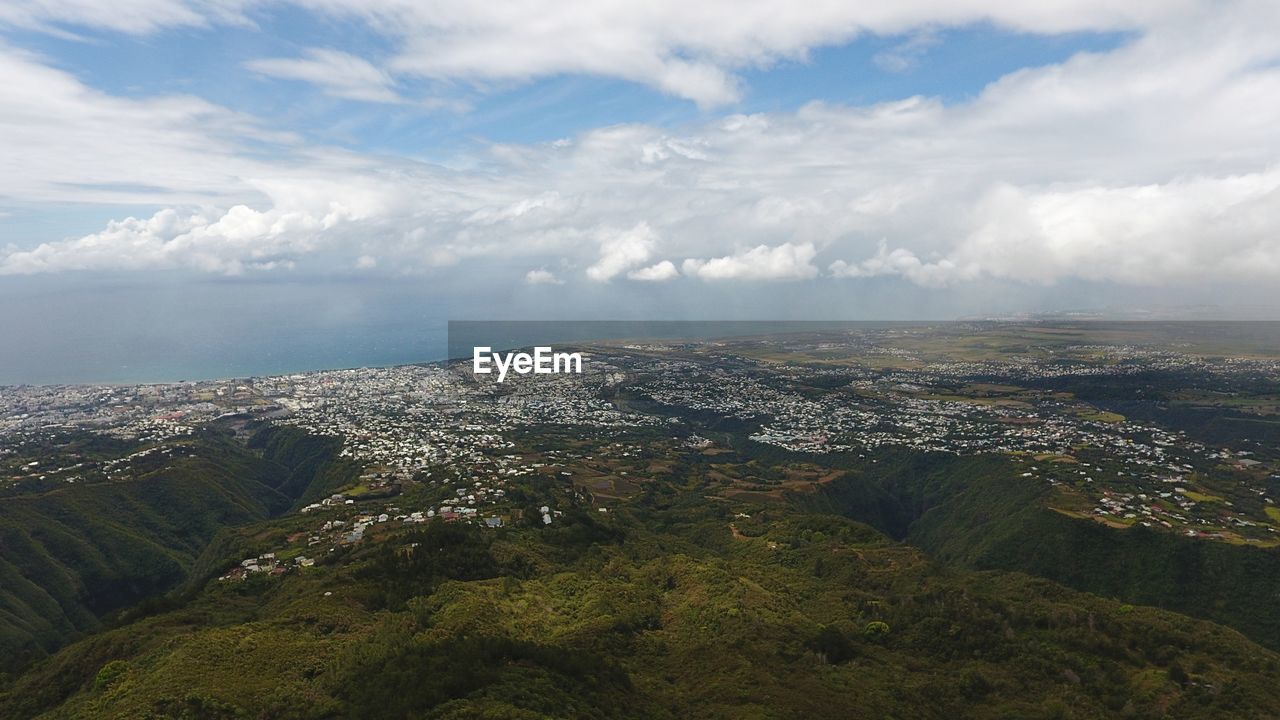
955 65
925 158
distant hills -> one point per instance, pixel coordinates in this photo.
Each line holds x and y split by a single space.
1150 313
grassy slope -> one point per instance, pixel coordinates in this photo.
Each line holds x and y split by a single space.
976 513
612 618
70 555
989 527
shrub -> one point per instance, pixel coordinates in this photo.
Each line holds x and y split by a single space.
110 673
875 630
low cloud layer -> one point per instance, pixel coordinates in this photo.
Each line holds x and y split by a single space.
784 262
542 276
622 250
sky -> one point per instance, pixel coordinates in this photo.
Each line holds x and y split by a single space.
393 162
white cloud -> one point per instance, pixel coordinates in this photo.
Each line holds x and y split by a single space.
621 251
340 74
1205 228
907 55
366 262
128 16
228 242
1155 163
784 262
905 263
62 141
1212 227
658 272
542 276
688 49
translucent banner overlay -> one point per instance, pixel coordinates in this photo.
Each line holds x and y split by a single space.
501 335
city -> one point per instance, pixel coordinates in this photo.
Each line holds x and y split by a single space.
403 424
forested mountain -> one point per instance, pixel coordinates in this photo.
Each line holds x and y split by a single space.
674 607
70 556
975 513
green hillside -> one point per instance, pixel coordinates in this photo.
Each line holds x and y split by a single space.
71 555
1236 585
673 604
976 513
656 612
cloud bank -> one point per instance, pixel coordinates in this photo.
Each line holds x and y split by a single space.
784 262
1153 164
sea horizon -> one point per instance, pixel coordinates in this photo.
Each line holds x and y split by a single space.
153 361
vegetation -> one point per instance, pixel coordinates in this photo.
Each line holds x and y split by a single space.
976 513
739 581
659 611
71 555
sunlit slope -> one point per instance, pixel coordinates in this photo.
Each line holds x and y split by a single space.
660 612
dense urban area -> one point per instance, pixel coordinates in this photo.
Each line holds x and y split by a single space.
820 396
